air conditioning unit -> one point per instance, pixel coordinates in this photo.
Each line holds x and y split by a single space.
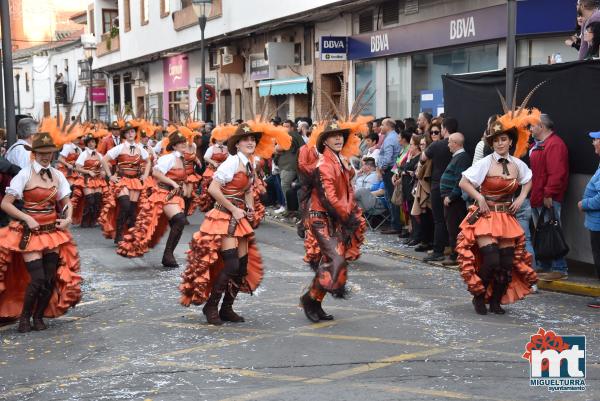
138 75
227 50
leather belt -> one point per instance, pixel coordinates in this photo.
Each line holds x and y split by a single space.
44 228
499 207
314 213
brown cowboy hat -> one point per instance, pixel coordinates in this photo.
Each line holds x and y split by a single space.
496 130
88 138
42 143
243 130
174 138
114 126
331 128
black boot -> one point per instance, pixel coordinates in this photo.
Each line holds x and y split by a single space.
479 303
211 308
97 208
88 211
322 314
32 292
132 214
124 205
50 261
187 204
502 279
227 314
310 307
176 223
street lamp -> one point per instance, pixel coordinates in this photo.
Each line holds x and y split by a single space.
88 49
200 9
17 78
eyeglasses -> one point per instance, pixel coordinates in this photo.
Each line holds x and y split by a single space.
435 132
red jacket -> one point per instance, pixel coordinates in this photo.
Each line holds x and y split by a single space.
550 166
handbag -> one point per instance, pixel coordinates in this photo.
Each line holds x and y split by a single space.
548 240
397 197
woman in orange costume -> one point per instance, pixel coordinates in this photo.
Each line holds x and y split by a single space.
214 156
67 157
223 257
126 185
335 223
90 182
144 135
491 244
39 263
192 180
164 205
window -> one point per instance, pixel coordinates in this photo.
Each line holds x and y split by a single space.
117 92
308 48
144 11
165 8
108 19
26 82
428 69
297 53
127 14
390 11
127 95
91 21
365 72
398 86
213 59
178 105
365 22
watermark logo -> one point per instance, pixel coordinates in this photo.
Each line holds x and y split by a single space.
556 362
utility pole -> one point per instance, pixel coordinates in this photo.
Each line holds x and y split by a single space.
7 64
511 50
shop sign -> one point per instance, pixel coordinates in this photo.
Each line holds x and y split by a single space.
259 68
99 94
333 48
475 26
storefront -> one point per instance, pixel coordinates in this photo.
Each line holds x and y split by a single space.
405 64
176 101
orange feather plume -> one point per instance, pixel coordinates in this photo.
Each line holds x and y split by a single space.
520 121
271 135
222 132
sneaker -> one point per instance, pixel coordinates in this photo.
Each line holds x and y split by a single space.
434 257
595 303
280 210
423 248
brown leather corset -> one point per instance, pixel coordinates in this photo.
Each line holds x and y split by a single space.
92 165
188 162
40 203
129 166
499 189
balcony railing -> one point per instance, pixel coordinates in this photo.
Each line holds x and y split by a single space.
109 43
186 17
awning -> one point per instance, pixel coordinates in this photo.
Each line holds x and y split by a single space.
287 86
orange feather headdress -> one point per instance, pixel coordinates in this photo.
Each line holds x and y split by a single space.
271 136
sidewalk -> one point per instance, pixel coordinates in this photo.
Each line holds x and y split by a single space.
581 280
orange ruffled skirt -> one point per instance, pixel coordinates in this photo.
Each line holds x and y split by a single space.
498 225
14 277
258 189
150 225
110 207
205 261
77 195
204 201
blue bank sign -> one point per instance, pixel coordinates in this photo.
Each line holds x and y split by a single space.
333 48
478 25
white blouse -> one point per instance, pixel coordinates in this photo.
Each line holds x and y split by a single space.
478 171
18 183
117 150
229 167
86 154
166 162
69 148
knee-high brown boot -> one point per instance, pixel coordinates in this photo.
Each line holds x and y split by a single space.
50 261
502 279
230 270
88 211
176 223
187 203
124 205
490 264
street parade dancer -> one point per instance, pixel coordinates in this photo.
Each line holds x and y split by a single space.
491 244
192 179
223 256
39 262
214 156
334 222
67 157
90 183
119 210
165 206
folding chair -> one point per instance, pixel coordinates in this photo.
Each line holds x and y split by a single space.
380 210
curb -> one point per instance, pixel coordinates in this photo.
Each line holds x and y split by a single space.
567 287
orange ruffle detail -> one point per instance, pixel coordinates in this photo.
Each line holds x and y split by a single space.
258 189
150 225
14 277
135 184
77 203
204 201
92 182
205 262
70 176
498 225
193 178
110 208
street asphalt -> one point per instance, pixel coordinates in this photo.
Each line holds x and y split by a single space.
407 332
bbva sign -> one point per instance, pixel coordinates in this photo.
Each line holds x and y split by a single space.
462 28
